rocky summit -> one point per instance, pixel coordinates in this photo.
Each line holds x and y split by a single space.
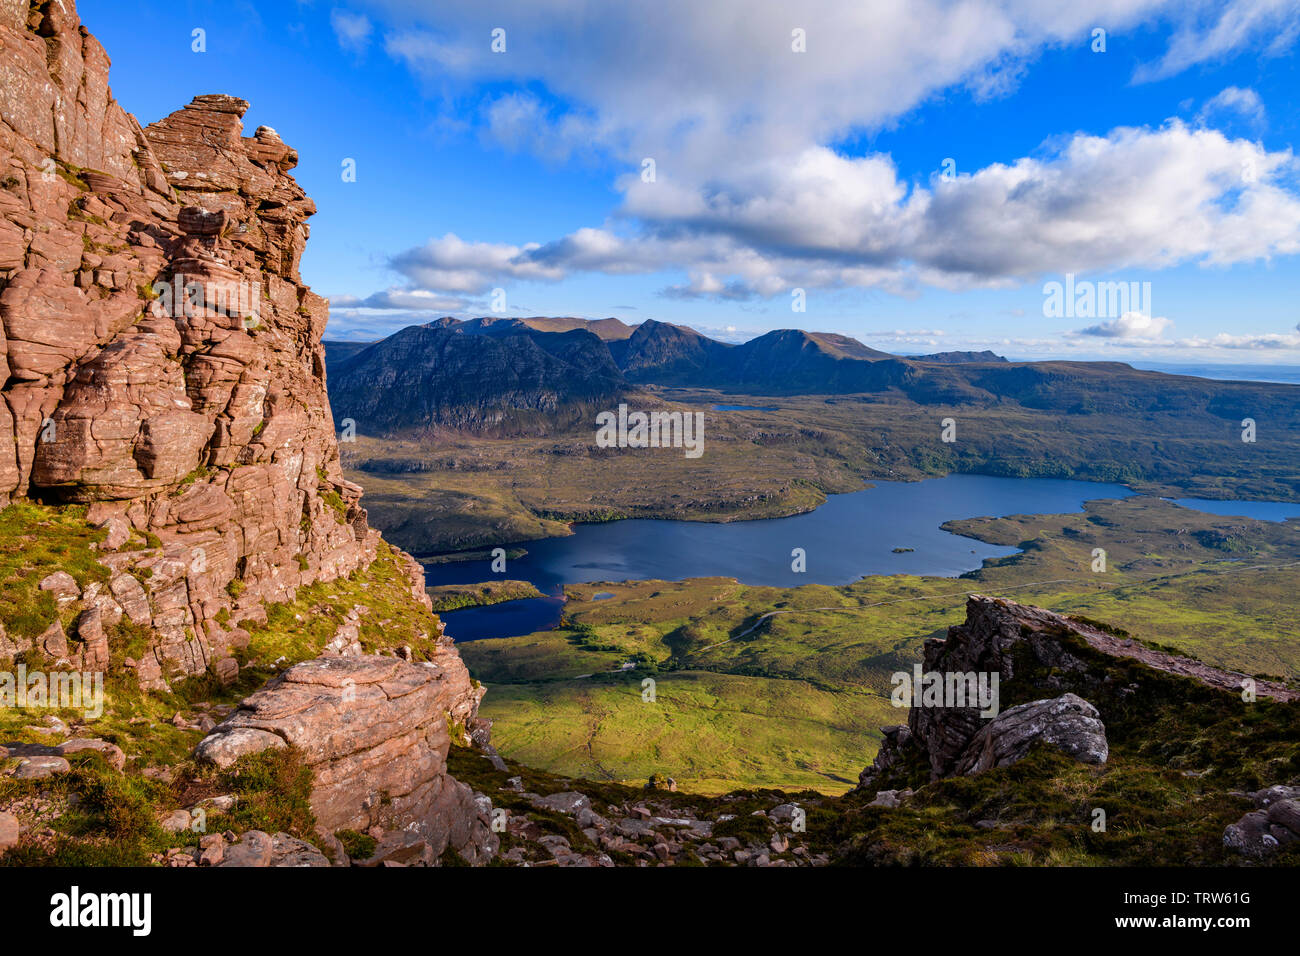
374 732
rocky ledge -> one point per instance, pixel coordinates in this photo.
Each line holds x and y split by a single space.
374 731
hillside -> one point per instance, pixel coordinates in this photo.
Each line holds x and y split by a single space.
492 377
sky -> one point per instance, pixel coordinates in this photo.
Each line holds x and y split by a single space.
1110 179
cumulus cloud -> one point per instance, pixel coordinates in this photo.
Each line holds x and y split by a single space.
451 264
1130 325
1138 197
1271 341
405 300
751 200
1233 103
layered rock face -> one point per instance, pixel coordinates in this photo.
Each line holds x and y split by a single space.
374 731
160 356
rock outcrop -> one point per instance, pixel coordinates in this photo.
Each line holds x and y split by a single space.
1051 654
997 638
374 731
1272 825
1068 723
160 356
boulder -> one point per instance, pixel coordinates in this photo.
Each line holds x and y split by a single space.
9 831
254 848
1068 723
223 747
373 730
1273 824
288 850
63 585
38 768
569 802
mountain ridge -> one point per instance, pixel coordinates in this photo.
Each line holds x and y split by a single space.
542 381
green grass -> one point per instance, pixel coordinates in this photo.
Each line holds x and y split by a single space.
710 732
358 846
36 541
274 790
450 597
298 629
107 819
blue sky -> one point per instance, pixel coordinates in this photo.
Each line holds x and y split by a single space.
1165 159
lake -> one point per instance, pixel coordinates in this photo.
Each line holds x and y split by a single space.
850 536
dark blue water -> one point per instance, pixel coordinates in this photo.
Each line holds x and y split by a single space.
848 537
1259 510
744 408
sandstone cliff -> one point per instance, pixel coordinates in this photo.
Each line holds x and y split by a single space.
159 353
161 368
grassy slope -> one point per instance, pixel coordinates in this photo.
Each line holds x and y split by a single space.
114 817
1181 757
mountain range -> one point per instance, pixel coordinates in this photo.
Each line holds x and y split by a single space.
508 375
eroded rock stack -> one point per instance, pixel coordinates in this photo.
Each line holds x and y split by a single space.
160 356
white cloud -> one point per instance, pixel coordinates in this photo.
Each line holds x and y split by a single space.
1137 198
1130 325
1267 342
1233 102
406 300
521 121
451 264
698 85
1212 31
352 30
750 199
